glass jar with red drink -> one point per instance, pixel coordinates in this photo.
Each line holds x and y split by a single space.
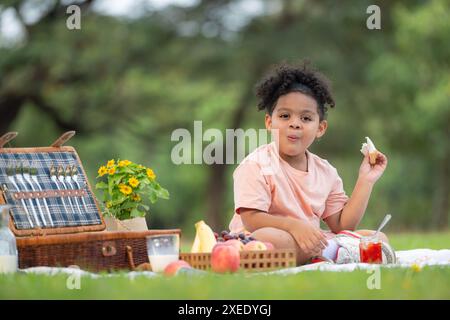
370 250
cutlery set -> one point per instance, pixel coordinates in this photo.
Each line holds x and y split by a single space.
24 186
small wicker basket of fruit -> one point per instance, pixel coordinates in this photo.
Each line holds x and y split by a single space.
229 252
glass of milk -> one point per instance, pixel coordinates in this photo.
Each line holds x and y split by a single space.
163 249
8 247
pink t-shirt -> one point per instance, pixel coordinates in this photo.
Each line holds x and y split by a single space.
266 182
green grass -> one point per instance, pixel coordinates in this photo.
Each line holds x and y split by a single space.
395 283
420 240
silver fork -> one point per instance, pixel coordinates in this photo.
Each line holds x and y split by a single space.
53 177
10 172
18 176
75 179
27 178
33 175
68 176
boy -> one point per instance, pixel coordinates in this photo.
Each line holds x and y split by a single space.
283 202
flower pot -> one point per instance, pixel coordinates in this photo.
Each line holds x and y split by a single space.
135 224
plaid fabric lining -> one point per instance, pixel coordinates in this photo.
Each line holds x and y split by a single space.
64 212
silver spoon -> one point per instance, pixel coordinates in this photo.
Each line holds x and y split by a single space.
68 175
383 223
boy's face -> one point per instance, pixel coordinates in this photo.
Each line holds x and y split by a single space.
297 119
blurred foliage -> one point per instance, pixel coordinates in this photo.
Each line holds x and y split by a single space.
126 83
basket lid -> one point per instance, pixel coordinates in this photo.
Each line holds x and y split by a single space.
48 190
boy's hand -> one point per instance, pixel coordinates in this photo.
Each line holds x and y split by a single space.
309 238
371 173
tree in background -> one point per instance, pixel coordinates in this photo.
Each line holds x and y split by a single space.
412 81
126 83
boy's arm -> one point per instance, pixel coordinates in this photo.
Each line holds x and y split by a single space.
253 219
308 238
353 211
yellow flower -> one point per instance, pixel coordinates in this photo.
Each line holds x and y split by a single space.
126 190
110 163
112 170
136 197
124 163
133 182
151 174
108 204
102 171
416 268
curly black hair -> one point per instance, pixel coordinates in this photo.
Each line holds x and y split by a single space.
286 78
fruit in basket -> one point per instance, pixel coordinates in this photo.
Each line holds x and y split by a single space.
196 245
235 243
269 245
255 245
225 258
204 240
172 268
245 238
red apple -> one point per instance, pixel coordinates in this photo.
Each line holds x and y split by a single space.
235 243
269 246
225 258
172 268
255 245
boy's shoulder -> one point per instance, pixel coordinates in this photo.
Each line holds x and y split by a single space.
258 157
320 163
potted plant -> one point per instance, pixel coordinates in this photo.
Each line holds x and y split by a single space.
127 187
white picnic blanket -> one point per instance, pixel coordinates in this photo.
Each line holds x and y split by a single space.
405 259
417 258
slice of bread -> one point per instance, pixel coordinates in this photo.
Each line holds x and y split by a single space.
369 147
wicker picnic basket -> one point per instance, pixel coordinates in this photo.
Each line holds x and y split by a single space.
92 251
249 260
59 223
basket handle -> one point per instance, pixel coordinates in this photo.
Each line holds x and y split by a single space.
63 139
142 267
130 258
7 137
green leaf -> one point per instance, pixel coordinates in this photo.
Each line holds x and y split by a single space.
128 205
118 201
117 178
110 186
163 193
137 213
153 197
128 170
101 185
143 206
